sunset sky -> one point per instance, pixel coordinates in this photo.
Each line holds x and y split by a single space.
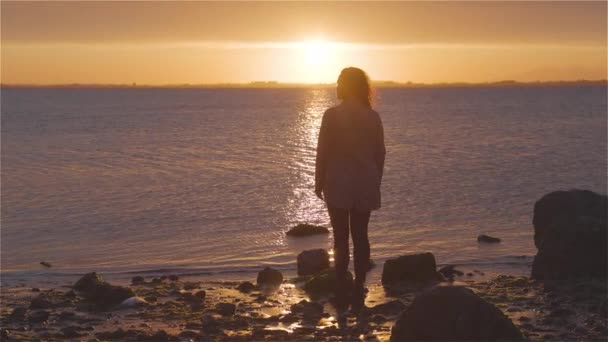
198 42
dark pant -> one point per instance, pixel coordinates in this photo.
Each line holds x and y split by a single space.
355 221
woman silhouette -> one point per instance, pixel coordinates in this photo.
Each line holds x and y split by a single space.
349 167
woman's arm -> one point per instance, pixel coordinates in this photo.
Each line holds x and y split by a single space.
380 152
321 162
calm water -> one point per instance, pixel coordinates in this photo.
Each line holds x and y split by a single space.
119 180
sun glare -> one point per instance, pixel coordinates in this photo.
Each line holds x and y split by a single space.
317 52
319 59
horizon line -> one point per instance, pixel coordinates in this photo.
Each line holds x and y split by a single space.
276 84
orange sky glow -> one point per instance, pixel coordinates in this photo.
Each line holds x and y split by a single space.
229 42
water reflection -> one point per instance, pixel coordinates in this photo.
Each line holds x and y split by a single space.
303 205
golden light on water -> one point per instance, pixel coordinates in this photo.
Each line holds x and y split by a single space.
304 206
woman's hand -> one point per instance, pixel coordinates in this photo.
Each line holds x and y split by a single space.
319 193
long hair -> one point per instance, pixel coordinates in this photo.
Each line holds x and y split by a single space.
353 83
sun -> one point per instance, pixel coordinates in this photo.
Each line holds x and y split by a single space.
318 52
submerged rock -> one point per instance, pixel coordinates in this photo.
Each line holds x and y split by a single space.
312 261
453 313
45 264
305 229
101 293
570 235
449 271
487 239
270 276
410 268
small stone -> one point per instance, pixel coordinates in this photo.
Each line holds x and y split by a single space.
65 315
45 264
524 319
188 335
580 330
115 335
39 316
200 294
225 309
270 276
18 313
70 332
261 299
137 280
173 277
151 299
35 289
245 287
40 302
378 319
391 308
190 285
487 239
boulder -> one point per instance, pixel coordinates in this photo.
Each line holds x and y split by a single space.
453 313
101 293
270 276
570 235
410 268
305 229
312 261
325 283
487 239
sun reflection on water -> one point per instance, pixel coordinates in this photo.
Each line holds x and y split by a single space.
304 206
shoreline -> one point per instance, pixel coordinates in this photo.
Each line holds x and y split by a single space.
540 311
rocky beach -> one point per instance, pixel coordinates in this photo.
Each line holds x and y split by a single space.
565 297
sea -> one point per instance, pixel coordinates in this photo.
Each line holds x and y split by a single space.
203 181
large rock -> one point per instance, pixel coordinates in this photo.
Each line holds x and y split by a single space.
312 261
270 276
410 268
570 235
326 283
453 313
101 293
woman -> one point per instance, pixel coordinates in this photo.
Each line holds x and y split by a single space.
349 167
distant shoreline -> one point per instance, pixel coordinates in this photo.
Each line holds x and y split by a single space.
278 85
